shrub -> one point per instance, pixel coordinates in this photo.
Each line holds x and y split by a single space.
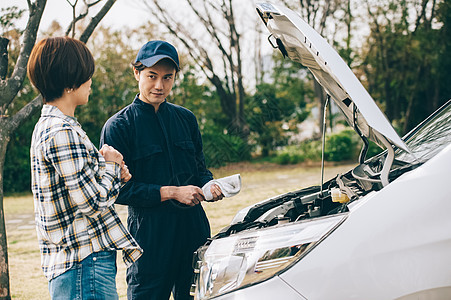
16 173
220 148
293 154
282 159
341 146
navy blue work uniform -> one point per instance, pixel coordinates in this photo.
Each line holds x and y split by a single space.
162 148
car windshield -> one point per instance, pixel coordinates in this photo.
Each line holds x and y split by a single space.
428 139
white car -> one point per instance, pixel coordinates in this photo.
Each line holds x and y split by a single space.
380 231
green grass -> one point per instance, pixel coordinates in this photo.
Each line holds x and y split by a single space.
259 182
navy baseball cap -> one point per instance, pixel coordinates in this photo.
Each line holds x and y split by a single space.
154 51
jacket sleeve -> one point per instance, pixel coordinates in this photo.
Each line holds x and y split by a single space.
118 133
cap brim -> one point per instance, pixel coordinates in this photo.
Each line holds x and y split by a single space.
151 61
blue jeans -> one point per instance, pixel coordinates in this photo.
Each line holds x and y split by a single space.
94 278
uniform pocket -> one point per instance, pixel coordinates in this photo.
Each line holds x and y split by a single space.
185 145
185 162
144 152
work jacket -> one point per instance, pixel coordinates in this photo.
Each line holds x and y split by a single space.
160 148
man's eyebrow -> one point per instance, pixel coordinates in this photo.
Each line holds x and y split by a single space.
155 73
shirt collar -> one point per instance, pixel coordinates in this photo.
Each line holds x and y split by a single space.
53 111
147 106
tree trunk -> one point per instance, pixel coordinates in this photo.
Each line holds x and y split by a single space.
4 272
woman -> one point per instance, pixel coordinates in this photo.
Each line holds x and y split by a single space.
74 185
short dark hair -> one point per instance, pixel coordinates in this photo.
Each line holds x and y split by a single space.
57 63
139 65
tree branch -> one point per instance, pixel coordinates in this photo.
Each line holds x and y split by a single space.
10 87
22 115
199 55
225 40
96 20
4 57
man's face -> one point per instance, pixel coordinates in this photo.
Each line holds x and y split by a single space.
155 83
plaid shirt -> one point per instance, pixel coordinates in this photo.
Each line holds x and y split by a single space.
74 190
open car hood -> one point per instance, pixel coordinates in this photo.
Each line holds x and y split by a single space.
301 43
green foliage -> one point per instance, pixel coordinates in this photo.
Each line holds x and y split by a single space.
308 150
287 158
271 116
341 146
407 64
17 174
221 148
8 18
293 82
279 104
373 149
113 83
191 92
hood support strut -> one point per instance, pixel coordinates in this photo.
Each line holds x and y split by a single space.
365 146
323 142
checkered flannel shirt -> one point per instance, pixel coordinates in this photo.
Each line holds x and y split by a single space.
74 190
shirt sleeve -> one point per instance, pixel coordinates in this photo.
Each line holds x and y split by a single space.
133 193
91 190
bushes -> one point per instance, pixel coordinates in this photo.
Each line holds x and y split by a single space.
286 158
306 150
341 146
220 148
16 173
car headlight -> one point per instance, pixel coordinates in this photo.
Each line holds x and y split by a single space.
250 257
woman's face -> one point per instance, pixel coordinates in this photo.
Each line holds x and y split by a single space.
82 93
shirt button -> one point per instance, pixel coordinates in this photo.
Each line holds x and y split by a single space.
94 258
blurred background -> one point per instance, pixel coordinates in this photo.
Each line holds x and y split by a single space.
251 104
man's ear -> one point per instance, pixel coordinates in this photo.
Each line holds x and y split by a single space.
136 73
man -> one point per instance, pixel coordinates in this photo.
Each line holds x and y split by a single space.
74 185
162 146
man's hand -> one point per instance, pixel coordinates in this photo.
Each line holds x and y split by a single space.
216 192
189 194
125 173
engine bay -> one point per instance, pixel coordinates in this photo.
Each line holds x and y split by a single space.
333 198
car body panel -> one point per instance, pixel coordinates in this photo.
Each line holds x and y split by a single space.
274 288
304 45
393 244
